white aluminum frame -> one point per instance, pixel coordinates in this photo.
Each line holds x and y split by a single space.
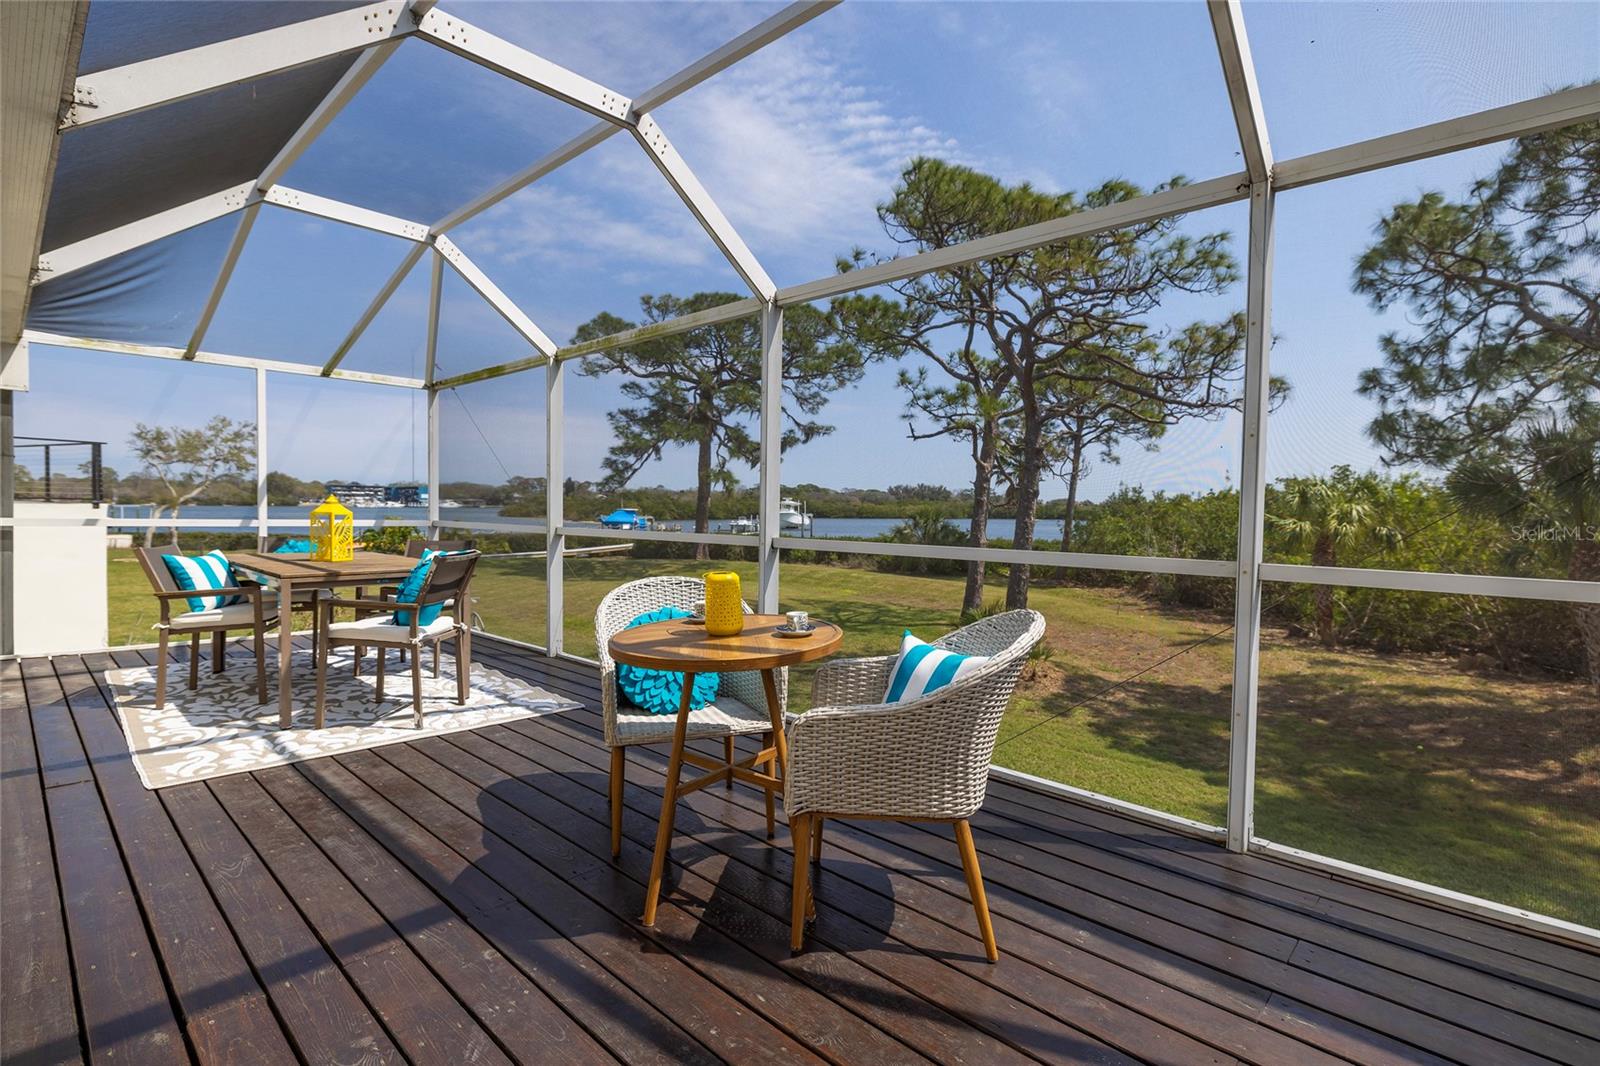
166 79
555 514
125 90
395 279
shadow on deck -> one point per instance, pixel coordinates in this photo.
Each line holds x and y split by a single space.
453 900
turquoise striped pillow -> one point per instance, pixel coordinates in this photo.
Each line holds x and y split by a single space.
922 668
197 573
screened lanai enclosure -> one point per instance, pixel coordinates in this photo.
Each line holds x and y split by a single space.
1255 347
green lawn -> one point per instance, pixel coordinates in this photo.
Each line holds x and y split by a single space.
1482 783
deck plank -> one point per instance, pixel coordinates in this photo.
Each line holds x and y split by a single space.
128 1016
223 1008
453 899
36 987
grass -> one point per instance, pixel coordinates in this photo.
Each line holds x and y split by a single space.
1483 783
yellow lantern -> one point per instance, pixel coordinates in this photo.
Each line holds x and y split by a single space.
332 532
724 609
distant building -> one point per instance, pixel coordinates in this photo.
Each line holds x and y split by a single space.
354 494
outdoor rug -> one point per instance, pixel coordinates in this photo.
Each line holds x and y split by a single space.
220 729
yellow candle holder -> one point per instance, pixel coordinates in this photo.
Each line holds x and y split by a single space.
333 532
724 605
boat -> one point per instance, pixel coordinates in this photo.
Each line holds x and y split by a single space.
627 518
744 524
792 514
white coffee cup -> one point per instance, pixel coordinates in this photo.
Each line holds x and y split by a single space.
799 620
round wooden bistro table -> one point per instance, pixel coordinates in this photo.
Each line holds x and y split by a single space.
685 647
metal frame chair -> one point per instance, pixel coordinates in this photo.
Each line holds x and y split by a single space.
449 580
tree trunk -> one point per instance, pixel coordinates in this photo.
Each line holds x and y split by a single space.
156 511
1585 566
1322 555
1072 493
1028 474
982 500
702 493
176 511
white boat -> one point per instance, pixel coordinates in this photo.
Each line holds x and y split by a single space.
744 524
793 515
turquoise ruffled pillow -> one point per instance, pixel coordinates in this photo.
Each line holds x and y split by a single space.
660 691
411 588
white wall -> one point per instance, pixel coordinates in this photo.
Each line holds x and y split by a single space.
60 595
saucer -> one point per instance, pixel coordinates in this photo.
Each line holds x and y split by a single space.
786 631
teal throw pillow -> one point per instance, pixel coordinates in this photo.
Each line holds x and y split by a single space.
411 588
660 691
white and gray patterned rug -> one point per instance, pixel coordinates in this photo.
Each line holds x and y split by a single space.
220 729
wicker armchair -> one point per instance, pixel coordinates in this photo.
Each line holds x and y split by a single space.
927 759
740 707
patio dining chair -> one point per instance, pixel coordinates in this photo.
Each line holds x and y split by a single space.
920 760
253 614
740 706
449 581
415 546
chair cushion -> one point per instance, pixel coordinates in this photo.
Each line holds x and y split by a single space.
381 630
411 588
922 668
661 691
233 614
198 573
727 716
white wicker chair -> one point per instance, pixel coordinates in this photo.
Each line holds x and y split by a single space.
927 759
740 707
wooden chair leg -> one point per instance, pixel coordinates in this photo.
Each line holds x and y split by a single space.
619 764
219 644
463 664
378 692
980 902
416 682
194 660
161 669
727 751
800 833
816 840
322 683
261 663
436 659
772 768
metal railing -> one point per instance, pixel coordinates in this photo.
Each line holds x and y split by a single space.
53 477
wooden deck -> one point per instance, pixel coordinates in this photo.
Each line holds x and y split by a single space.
453 900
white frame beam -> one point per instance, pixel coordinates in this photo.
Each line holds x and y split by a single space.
501 56
1581 104
555 542
771 478
84 253
475 277
746 44
263 500
166 79
1233 50
343 91
277 366
399 275
435 293
1202 194
323 207
230 260
653 139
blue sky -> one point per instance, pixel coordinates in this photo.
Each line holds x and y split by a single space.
798 144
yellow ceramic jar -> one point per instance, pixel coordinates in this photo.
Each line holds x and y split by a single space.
724 609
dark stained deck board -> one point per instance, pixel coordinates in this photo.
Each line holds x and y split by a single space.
453 899
37 997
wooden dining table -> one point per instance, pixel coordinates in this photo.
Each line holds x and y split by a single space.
683 646
290 573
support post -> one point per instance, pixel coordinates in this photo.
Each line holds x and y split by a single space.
771 454
433 464
8 547
263 527
554 504
1252 506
